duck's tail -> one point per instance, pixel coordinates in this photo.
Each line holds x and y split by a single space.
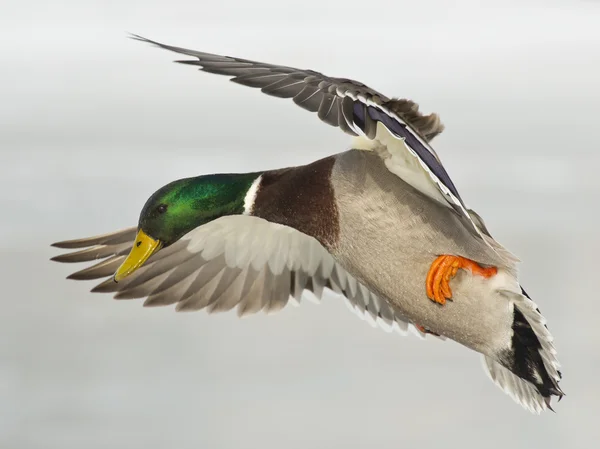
528 370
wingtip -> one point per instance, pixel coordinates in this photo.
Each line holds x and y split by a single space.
106 286
61 245
136 37
187 62
58 258
68 244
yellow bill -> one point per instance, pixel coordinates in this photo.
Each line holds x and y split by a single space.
143 247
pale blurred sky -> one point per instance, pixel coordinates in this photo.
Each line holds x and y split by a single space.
91 123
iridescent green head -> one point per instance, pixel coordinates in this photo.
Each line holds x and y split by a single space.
181 206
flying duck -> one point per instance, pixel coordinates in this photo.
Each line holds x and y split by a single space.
381 224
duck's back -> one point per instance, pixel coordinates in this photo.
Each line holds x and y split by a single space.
389 235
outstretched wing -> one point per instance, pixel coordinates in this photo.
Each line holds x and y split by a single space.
234 261
310 90
356 109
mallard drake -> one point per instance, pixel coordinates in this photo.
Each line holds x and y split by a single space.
382 224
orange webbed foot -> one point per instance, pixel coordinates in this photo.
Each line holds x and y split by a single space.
445 268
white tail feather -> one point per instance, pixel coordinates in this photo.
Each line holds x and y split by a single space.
519 389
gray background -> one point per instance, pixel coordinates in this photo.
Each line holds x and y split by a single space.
92 123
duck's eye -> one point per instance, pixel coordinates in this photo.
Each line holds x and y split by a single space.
161 209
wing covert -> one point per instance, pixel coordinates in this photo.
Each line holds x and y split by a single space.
241 262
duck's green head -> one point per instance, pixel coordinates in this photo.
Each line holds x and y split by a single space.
181 206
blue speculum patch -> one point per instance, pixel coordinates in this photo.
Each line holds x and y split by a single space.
401 130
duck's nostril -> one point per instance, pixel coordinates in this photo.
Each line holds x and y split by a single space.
138 243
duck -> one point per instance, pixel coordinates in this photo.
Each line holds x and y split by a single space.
381 225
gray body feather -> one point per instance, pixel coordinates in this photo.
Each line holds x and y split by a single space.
390 234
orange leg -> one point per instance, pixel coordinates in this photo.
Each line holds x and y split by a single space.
444 268
425 330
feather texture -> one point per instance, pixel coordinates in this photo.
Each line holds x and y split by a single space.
240 262
357 110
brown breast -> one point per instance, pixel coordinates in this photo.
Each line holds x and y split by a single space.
302 198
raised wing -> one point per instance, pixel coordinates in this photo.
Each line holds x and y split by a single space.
310 90
353 107
234 261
